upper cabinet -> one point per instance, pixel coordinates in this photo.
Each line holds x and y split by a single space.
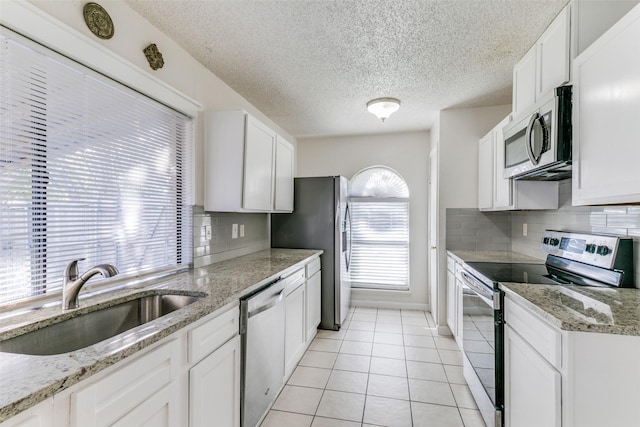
248 167
497 193
606 121
545 66
283 201
548 63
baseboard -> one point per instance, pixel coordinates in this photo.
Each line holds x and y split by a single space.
444 330
390 304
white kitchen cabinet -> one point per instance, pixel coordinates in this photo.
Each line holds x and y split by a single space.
41 415
524 82
214 388
556 377
258 166
606 111
553 56
454 299
548 63
142 390
485 172
532 385
496 193
313 295
295 331
283 180
239 163
545 66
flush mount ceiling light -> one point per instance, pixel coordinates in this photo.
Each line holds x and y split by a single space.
383 107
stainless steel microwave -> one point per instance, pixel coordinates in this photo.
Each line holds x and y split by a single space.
538 147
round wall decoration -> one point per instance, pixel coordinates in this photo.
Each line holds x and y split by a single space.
98 20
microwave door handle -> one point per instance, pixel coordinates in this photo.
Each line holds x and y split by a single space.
527 138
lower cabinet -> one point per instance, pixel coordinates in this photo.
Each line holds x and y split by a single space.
532 385
454 300
314 296
214 387
294 340
40 415
140 392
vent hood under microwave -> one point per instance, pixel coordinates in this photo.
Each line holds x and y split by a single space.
538 146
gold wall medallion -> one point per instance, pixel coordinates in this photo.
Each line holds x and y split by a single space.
98 20
153 56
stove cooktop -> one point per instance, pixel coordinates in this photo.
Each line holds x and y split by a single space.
518 273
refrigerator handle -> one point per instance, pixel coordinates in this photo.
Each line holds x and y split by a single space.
347 230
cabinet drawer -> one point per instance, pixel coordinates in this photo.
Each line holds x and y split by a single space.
209 336
542 337
313 267
292 281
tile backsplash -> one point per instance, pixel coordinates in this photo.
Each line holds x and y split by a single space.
471 229
212 241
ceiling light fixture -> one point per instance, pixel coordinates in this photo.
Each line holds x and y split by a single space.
383 107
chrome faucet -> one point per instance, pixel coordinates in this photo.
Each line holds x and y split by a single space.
72 283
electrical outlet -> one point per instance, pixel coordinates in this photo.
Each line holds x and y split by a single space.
241 230
207 232
524 229
234 231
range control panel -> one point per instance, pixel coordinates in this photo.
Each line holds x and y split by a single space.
593 249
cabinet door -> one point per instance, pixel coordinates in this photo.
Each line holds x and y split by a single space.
294 341
553 55
40 415
314 289
524 82
451 302
606 112
258 166
214 388
503 187
284 176
109 399
157 411
532 385
485 172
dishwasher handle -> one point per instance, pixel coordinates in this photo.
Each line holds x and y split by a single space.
272 302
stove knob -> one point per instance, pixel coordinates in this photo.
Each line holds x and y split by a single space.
603 250
545 240
591 248
554 242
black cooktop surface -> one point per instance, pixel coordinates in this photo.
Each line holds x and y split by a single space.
518 273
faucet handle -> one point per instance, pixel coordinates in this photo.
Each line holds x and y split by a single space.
71 271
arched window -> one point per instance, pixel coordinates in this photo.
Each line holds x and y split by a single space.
379 204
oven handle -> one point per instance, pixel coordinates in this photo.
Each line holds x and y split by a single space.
477 287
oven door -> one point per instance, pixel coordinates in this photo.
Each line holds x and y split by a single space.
482 343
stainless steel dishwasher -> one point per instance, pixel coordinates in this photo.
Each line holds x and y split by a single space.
262 317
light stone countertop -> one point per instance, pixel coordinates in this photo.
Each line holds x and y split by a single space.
568 307
26 380
581 308
494 256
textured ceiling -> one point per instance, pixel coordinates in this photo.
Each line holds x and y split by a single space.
311 66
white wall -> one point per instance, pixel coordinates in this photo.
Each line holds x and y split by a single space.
132 35
459 131
406 153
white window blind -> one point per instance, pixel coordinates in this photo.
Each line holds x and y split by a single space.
88 169
379 207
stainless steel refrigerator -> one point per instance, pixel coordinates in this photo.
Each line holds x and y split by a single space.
321 220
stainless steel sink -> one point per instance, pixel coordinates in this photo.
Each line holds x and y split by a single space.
95 326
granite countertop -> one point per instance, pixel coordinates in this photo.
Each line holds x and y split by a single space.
494 256
581 308
26 380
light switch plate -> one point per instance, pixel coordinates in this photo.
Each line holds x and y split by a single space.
241 230
524 229
234 231
207 232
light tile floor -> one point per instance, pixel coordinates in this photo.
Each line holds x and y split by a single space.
383 368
